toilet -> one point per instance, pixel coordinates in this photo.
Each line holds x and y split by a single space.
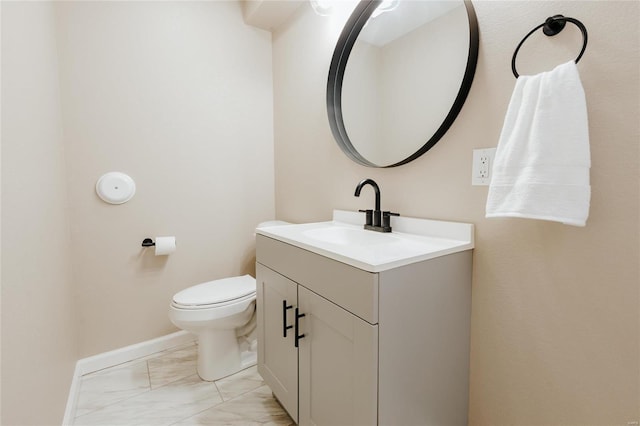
217 312
213 311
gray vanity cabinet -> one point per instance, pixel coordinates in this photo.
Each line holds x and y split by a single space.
337 365
384 348
331 378
278 357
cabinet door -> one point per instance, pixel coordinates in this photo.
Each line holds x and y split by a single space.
277 355
338 365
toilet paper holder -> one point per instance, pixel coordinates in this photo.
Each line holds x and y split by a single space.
163 246
148 242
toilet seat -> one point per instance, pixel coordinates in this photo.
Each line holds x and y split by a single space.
216 293
201 306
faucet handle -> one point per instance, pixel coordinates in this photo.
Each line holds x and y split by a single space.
368 216
386 219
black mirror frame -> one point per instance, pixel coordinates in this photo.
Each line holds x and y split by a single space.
345 43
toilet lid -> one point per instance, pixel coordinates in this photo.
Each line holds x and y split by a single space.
218 291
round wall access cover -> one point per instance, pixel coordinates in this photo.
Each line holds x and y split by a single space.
115 188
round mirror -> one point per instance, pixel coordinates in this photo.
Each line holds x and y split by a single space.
399 76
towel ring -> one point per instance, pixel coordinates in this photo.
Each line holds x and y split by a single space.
552 26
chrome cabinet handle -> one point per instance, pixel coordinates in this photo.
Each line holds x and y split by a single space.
285 327
298 336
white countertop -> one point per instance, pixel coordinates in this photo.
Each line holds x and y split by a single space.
344 239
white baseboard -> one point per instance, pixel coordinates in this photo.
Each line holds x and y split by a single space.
129 353
119 356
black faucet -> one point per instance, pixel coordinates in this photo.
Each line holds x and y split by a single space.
375 219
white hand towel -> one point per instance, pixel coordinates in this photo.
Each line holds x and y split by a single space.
541 166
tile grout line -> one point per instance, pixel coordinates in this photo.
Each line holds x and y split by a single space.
145 358
148 374
203 410
118 401
215 382
161 356
241 394
218 385
221 403
148 389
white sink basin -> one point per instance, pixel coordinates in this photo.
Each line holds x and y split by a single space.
333 233
345 240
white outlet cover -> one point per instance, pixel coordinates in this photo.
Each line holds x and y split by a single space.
115 188
481 172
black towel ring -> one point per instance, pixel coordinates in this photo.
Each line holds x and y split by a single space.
552 26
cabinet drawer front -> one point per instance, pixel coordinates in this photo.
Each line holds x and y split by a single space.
351 288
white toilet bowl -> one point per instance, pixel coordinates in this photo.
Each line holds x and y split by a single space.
213 311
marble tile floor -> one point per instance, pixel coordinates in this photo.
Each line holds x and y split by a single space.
164 389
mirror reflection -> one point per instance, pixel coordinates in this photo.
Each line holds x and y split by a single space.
404 81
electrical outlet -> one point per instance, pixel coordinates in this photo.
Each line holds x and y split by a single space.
483 170
482 165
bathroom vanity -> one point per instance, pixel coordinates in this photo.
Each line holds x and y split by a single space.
361 328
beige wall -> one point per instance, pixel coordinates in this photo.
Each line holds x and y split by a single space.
555 325
179 96
39 331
